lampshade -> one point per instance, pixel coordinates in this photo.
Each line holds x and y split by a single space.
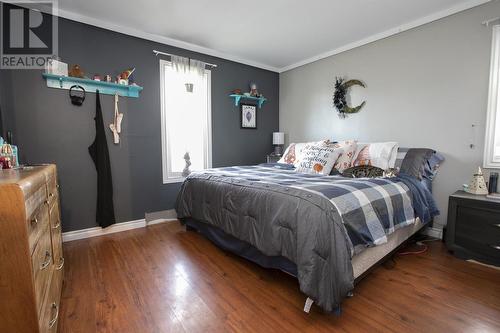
278 138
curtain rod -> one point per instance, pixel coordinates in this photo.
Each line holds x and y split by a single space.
488 22
169 54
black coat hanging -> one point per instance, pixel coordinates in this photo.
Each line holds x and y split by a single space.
105 215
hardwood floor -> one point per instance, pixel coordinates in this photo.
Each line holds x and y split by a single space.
164 279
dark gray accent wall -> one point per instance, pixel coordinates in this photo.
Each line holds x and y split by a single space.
47 128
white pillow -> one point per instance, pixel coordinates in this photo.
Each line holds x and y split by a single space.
318 159
293 153
379 154
345 160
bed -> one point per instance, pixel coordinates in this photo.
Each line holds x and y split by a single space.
327 231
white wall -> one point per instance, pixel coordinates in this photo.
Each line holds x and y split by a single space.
425 88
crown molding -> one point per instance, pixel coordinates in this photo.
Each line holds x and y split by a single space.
158 38
214 53
414 24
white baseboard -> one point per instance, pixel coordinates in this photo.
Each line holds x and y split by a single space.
99 231
117 227
434 232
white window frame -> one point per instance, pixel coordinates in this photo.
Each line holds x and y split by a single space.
165 148
491 161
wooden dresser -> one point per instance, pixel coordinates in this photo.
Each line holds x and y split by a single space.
31 258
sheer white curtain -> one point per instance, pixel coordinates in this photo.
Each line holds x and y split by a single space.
187 114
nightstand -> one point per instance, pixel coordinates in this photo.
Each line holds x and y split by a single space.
272 158
473 229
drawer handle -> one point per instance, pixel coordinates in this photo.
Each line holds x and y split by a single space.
34 220
46 263
496 247
55 307
61 265
57 225
51 195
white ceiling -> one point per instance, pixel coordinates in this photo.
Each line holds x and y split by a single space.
272 34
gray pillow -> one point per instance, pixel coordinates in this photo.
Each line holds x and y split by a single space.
415 161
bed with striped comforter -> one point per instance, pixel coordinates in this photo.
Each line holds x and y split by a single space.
318 222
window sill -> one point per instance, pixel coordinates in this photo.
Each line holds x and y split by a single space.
173 180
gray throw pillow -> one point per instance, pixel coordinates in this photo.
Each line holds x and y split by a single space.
415 161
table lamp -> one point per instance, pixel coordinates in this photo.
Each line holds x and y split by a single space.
278 142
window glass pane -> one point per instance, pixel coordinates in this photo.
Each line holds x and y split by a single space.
186 115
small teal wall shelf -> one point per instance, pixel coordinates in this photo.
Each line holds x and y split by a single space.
238 98
107 88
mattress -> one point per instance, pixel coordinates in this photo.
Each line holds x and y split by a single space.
369 257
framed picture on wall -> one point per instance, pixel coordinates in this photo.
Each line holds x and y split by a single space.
248 116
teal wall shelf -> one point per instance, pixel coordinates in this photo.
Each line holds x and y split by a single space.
238 98
107 88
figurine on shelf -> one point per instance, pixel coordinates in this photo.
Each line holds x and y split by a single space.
125 76
96 77
76 71
253 90
236 92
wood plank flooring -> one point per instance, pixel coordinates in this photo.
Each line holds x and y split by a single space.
164 279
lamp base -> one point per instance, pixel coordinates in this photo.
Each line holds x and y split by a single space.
278 150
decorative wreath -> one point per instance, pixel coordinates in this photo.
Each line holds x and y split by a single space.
339 96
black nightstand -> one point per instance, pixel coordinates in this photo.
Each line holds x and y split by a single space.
272 158
473 230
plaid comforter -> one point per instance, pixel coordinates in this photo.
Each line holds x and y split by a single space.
370 208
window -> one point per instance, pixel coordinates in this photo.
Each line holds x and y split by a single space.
185 121
492 141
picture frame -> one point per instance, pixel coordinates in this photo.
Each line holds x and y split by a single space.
248 116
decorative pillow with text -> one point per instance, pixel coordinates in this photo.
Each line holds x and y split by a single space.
293 154
318 159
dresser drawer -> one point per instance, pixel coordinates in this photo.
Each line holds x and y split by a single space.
36 199
50 311
473 223
37 223
42 265
52 188
488 249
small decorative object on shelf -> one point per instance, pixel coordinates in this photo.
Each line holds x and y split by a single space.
76 71
96 77
278 142
56 66
253 90
339 96
477 184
